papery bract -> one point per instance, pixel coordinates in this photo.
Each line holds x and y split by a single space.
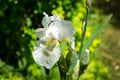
86 57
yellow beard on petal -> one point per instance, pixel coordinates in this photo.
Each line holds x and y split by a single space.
50 41
66 40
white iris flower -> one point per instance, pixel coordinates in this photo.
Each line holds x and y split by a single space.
47 51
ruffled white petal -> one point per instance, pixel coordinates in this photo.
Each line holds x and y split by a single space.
61 29
40 32
48 19
46 58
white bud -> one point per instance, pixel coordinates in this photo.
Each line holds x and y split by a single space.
86 57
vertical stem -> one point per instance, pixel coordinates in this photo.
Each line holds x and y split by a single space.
62 75
47 71
48 74
83 31
83 34
62 67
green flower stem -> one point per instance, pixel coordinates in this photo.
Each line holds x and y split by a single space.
62 67
83 34
48 74
83 31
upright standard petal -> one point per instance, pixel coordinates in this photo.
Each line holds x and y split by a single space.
58 28
61 30
44 57
48 19
40 32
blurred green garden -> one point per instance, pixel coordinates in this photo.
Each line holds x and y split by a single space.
20 18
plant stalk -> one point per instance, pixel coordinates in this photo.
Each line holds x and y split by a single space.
84 27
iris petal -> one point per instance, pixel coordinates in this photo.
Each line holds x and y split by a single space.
46 58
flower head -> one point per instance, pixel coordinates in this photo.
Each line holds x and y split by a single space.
47 51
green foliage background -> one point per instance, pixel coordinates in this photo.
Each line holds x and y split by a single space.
18 21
